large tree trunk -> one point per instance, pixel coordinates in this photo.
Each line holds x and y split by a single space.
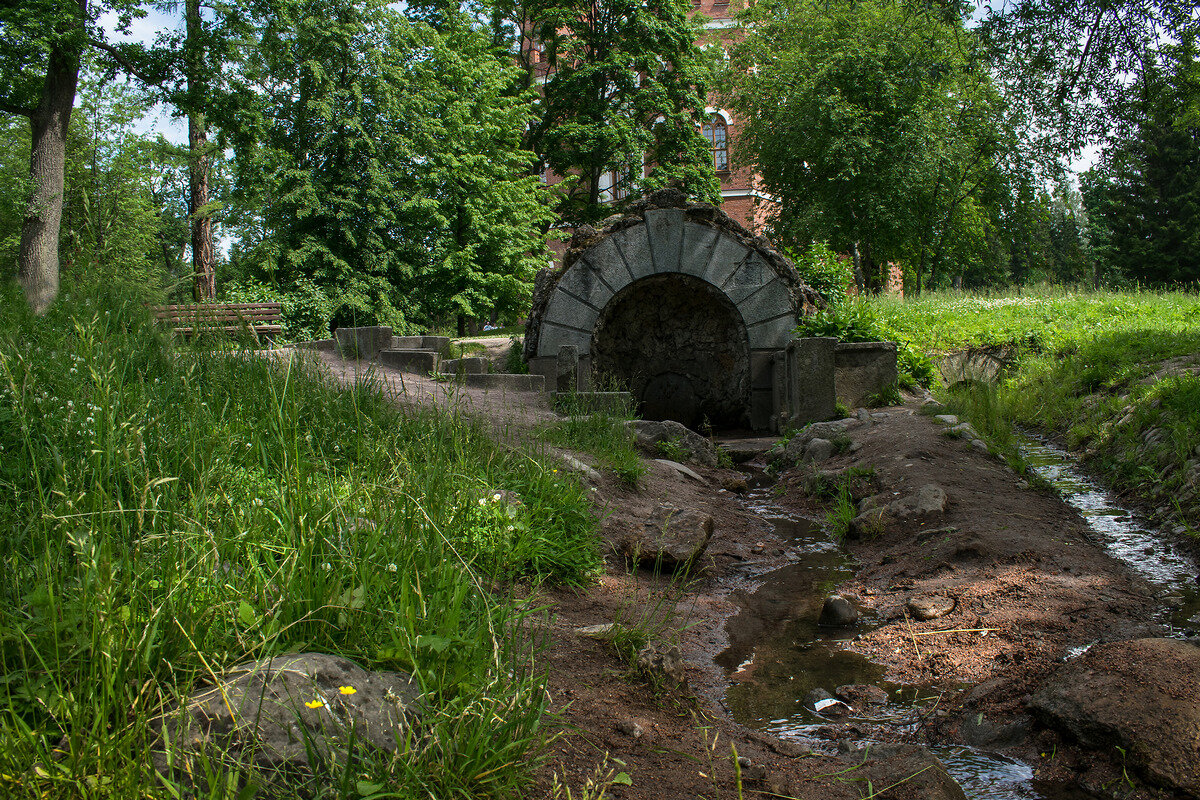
202 235
37 262
203 269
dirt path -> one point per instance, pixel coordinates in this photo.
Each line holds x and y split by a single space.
1023 578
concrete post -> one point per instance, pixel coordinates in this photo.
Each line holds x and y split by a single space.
809 375
567 374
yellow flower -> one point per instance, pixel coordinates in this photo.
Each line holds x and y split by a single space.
347 689
318 703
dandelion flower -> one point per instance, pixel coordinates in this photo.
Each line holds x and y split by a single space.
318 703
347 689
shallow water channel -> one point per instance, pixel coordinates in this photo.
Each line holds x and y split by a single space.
778 654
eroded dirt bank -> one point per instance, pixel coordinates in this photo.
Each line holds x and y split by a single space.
1024 584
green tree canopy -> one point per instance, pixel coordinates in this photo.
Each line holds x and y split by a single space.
624 85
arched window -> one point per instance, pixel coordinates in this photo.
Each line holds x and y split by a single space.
718 142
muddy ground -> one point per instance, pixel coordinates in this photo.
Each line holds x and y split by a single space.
1025 581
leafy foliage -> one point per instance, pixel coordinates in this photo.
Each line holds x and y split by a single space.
624 82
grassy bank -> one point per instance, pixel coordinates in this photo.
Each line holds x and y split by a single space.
168 510
1114 374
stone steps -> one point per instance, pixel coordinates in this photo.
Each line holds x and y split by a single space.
464 366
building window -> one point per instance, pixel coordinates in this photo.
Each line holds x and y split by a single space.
718 142
615 185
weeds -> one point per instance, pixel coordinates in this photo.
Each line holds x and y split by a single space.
841 513
514 359
672 449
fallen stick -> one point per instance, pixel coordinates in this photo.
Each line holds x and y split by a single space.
956 630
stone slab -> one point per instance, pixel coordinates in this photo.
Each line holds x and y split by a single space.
863 370
664 227
554 335
772 334
808 381
762 369
767 302
567 369
696 249
565 310
464 366
726 257
420 362
607 261
634 243
505 381
584 282
439 344
363 342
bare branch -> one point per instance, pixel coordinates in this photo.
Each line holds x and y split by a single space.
24 111
126 64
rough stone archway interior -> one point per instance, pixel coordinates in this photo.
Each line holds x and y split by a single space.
680 346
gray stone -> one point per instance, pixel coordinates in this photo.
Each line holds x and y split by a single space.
365 342
880 512
804 382
567 375
648 434
975 366
1140 695
419 362
910 768
863 415
464 366
864 370
963 430
438 344
946 419
575 465
980 445
272 711
672 539
818 450
925 607
662 661
605 630
505 382
680 469
837 612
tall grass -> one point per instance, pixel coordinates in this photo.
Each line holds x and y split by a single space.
1043 318
1091 368
167 511
601 431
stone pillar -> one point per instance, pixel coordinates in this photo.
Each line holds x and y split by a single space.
567 374
809 380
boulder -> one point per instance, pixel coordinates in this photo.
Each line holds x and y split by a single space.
662 661
925 607
575 465
818 450
1140 695
879 512
906 771
275 712
837 612
947 419
696 448
671 539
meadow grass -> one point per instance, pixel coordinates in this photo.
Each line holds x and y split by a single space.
1092 368
1046 318
169 510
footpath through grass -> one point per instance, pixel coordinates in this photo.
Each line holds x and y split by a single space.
1114 374
167 510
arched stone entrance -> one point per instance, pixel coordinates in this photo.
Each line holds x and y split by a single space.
713 282
680 346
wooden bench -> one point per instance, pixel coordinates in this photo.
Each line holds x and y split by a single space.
229 318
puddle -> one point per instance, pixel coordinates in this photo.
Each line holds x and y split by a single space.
990 776
1123 534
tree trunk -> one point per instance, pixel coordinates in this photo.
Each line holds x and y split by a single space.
37 262
203 267
860 281
203 271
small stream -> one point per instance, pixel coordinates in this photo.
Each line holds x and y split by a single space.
778 654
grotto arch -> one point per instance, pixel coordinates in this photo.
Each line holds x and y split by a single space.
716 279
